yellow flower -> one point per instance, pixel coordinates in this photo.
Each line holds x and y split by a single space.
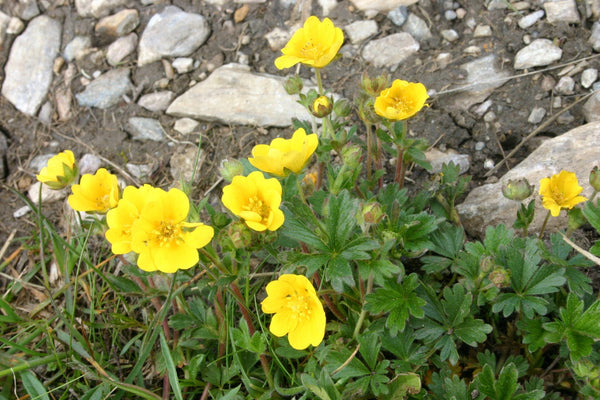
162 238
315 44
60 171
401 101
95 193
120 219
298 311
560 191
256 200
284 155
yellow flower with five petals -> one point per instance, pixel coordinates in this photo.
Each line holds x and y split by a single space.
560 191
401 101
256 200
298 311
315 44
95 193
162 237
285 155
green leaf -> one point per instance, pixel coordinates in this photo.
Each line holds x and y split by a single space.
533 333
369 348
34 388
472 331
352 369
399 300
404 384
338 272
173 378
592 214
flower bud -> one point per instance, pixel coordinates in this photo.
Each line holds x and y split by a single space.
60 171
519 189
309 182
366 112
231 168
576 219
500 277
240 235
372 212
293 85
595 178
351 156
322 107
342 108
374 86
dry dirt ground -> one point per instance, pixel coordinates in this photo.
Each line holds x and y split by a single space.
102 131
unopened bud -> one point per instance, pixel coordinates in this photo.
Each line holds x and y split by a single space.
519 189
351 155
322 107
595 178
374 86
342 108
366 112
576 219
240 235
372 212
231 168
500 277
293 85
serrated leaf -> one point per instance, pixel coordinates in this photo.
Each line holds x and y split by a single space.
369 348
592 214
338 272
472 331
533 333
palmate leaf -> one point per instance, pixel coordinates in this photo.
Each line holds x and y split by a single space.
400 300
506 386
449 321
577 327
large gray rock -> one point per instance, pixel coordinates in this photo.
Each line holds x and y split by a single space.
381 5
172 33
483 76
233 94
97 8
572 151
29 67
106 90
391 50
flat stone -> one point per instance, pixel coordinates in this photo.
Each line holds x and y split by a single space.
438 158
97 8
483 76
327 6
28 71
561 11
485 206
78 47
391 50
417 27
15 26
47 196
537 115
121 48
234 94
119 24
158 101
106 90
482 31
140 171
540 52
358 31
27 9
398 15
530 19
183 64
381 5
185 126
172 33
588 77
566 85
145 129
591 108
449 34
89 164
594 38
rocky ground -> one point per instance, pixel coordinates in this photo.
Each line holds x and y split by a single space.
136 85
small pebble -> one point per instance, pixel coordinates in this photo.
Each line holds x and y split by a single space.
588 77
537 115
450 15
479 146
488 164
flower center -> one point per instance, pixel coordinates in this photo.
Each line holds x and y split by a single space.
402 104
558 196
256 205
299 304
166 233
310 51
